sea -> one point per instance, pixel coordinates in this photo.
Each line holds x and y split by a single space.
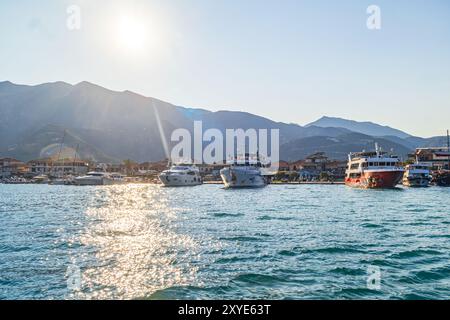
143 241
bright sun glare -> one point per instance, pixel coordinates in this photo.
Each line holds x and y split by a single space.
132 34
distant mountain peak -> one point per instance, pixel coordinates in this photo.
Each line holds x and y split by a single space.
327 118
95 88
87 84
365 127
84 83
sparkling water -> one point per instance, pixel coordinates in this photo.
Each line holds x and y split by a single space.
205 242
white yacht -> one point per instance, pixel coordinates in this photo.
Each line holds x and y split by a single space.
244 173
62 181
417 175
41 179
181 175
98 178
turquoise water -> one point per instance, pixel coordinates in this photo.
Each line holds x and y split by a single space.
280 242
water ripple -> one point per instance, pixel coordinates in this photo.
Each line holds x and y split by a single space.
280 242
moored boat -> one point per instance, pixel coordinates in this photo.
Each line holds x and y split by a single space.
65 181
244 173
373 170
15 180
417 175
40 179
181 175
98 178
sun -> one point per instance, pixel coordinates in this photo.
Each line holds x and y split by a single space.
132 34
136 34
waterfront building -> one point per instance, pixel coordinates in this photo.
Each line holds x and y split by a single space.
10 167
336 169
437 157
40 166
49 166
316 161
317 164
296 165
283 166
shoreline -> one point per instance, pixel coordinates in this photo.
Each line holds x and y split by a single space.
209 183
291 183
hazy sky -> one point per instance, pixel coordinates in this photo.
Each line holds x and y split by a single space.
291 61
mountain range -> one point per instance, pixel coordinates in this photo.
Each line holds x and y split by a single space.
111 126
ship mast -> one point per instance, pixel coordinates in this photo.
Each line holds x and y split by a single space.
59 154
60 150
448 149
75 159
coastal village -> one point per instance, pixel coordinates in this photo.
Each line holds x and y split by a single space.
317 167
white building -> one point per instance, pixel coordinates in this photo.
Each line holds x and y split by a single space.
59 167
11 167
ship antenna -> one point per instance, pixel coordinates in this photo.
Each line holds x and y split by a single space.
377 150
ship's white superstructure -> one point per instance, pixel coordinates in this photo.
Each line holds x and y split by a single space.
244 173
417 175
181 175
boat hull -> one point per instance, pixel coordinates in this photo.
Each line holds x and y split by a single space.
58 183
180 180
99 179
61 182
242 179
89 182
376 180
416 182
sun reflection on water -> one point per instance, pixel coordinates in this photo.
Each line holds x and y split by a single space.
133 237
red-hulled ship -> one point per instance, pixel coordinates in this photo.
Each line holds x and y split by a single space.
373 170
